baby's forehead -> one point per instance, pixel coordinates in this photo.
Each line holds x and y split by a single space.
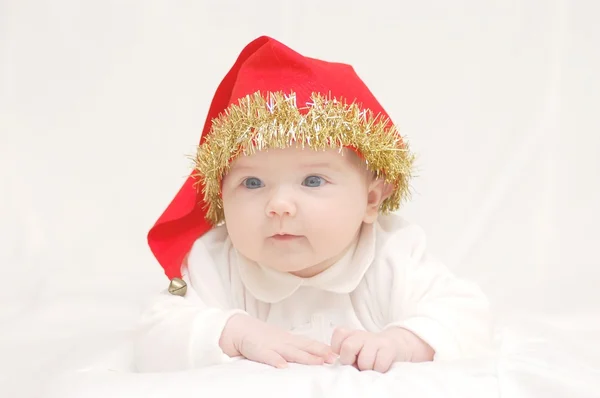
341 158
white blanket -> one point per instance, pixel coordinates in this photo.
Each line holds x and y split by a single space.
541 357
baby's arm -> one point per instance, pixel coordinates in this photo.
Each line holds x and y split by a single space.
178 333
181 333
204 327
451 315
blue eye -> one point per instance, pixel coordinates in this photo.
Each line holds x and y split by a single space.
313 181
252 183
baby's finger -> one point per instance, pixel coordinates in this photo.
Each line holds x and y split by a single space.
366 357
338 337
315 348
269 357
297 355
384 360
350 349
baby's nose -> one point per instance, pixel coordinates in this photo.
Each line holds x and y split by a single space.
281 204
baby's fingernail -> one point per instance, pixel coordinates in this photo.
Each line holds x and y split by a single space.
331 358
282 365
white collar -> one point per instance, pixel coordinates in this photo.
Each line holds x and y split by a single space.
270 286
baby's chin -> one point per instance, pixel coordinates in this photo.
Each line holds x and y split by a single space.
304 269
285 266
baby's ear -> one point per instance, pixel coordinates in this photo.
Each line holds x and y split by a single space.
379 191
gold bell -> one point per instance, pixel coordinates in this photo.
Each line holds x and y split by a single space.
177 287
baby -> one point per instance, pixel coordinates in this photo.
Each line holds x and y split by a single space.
282 245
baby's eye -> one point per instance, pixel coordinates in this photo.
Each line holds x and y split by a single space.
252 183
313 181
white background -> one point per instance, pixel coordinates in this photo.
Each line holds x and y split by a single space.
101 102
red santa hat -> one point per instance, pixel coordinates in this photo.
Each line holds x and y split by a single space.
275 97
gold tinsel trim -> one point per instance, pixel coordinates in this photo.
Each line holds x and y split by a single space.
258 123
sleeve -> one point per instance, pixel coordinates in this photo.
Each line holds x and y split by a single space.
450 314
179 333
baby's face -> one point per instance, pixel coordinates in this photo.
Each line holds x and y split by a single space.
298 210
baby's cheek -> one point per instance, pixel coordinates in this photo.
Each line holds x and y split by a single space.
244 234
337 227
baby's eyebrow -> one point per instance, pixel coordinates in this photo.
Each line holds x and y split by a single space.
334 167
242 168
320 165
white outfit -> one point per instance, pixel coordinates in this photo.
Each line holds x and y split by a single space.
386 280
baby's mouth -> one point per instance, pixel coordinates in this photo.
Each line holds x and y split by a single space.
285 237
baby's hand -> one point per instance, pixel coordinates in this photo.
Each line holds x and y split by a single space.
378 351
260 342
